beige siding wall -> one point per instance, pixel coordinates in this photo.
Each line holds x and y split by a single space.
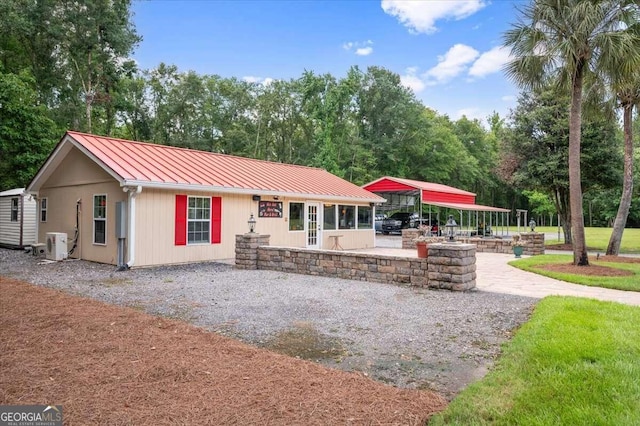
155 229
10 231
349 239
61 217
78 178
77 169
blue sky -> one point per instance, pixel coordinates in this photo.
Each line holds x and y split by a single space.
448 52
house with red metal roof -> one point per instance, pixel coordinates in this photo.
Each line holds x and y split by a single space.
140 204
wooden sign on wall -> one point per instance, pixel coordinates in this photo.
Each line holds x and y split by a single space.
270 209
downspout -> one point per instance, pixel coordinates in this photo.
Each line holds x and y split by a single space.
21 220
36 197
38 218
131 223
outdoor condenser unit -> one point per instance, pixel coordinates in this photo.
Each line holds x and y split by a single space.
56 246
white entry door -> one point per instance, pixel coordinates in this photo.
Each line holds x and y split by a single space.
312 220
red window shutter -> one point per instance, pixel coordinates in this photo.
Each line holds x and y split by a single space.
216 220
181 220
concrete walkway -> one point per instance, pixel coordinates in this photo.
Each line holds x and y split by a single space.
495 275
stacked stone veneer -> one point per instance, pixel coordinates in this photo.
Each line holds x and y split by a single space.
348 265
533 244
452 266
437 271
247 249
408 235
492 245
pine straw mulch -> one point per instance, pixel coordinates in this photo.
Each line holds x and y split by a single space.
111 365
593 269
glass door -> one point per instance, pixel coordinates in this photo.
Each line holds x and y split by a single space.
312 221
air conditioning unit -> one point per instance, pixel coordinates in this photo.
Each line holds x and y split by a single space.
56 246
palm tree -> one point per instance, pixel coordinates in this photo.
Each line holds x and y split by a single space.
628 96
564 41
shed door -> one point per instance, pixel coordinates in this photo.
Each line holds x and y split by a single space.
312 221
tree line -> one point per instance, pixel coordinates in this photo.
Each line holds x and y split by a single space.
66 65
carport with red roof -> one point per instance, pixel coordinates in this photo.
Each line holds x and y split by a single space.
407 194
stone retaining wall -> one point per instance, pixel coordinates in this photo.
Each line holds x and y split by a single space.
492 245
533 244
449 266
348 265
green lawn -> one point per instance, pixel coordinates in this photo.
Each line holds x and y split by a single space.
574 363
598 238
631 282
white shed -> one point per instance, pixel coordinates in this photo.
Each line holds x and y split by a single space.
18 218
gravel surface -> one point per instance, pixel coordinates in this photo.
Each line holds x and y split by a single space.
406 337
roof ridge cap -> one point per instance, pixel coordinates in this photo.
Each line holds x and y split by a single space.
157 145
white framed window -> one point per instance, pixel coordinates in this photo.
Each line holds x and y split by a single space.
346 217
364 217
43 209
14 209
199 220
329 217
100 219
296 216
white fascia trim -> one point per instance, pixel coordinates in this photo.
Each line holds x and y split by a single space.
45 171
45 166
228 190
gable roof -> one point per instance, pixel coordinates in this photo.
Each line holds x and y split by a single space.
394 184
160 166
435 194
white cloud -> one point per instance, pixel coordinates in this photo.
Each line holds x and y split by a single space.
362 48
474 114
364 51
253 79
508 98
490 62
470 113
452 63
421 16
411 81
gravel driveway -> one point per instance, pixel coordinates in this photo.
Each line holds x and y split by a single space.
406 337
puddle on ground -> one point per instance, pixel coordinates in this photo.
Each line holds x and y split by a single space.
305 342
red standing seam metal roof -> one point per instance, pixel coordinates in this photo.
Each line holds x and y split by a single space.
427 186
139 163
391 184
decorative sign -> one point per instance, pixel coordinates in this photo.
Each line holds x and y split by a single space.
270 209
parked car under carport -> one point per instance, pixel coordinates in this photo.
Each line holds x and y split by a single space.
399 221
